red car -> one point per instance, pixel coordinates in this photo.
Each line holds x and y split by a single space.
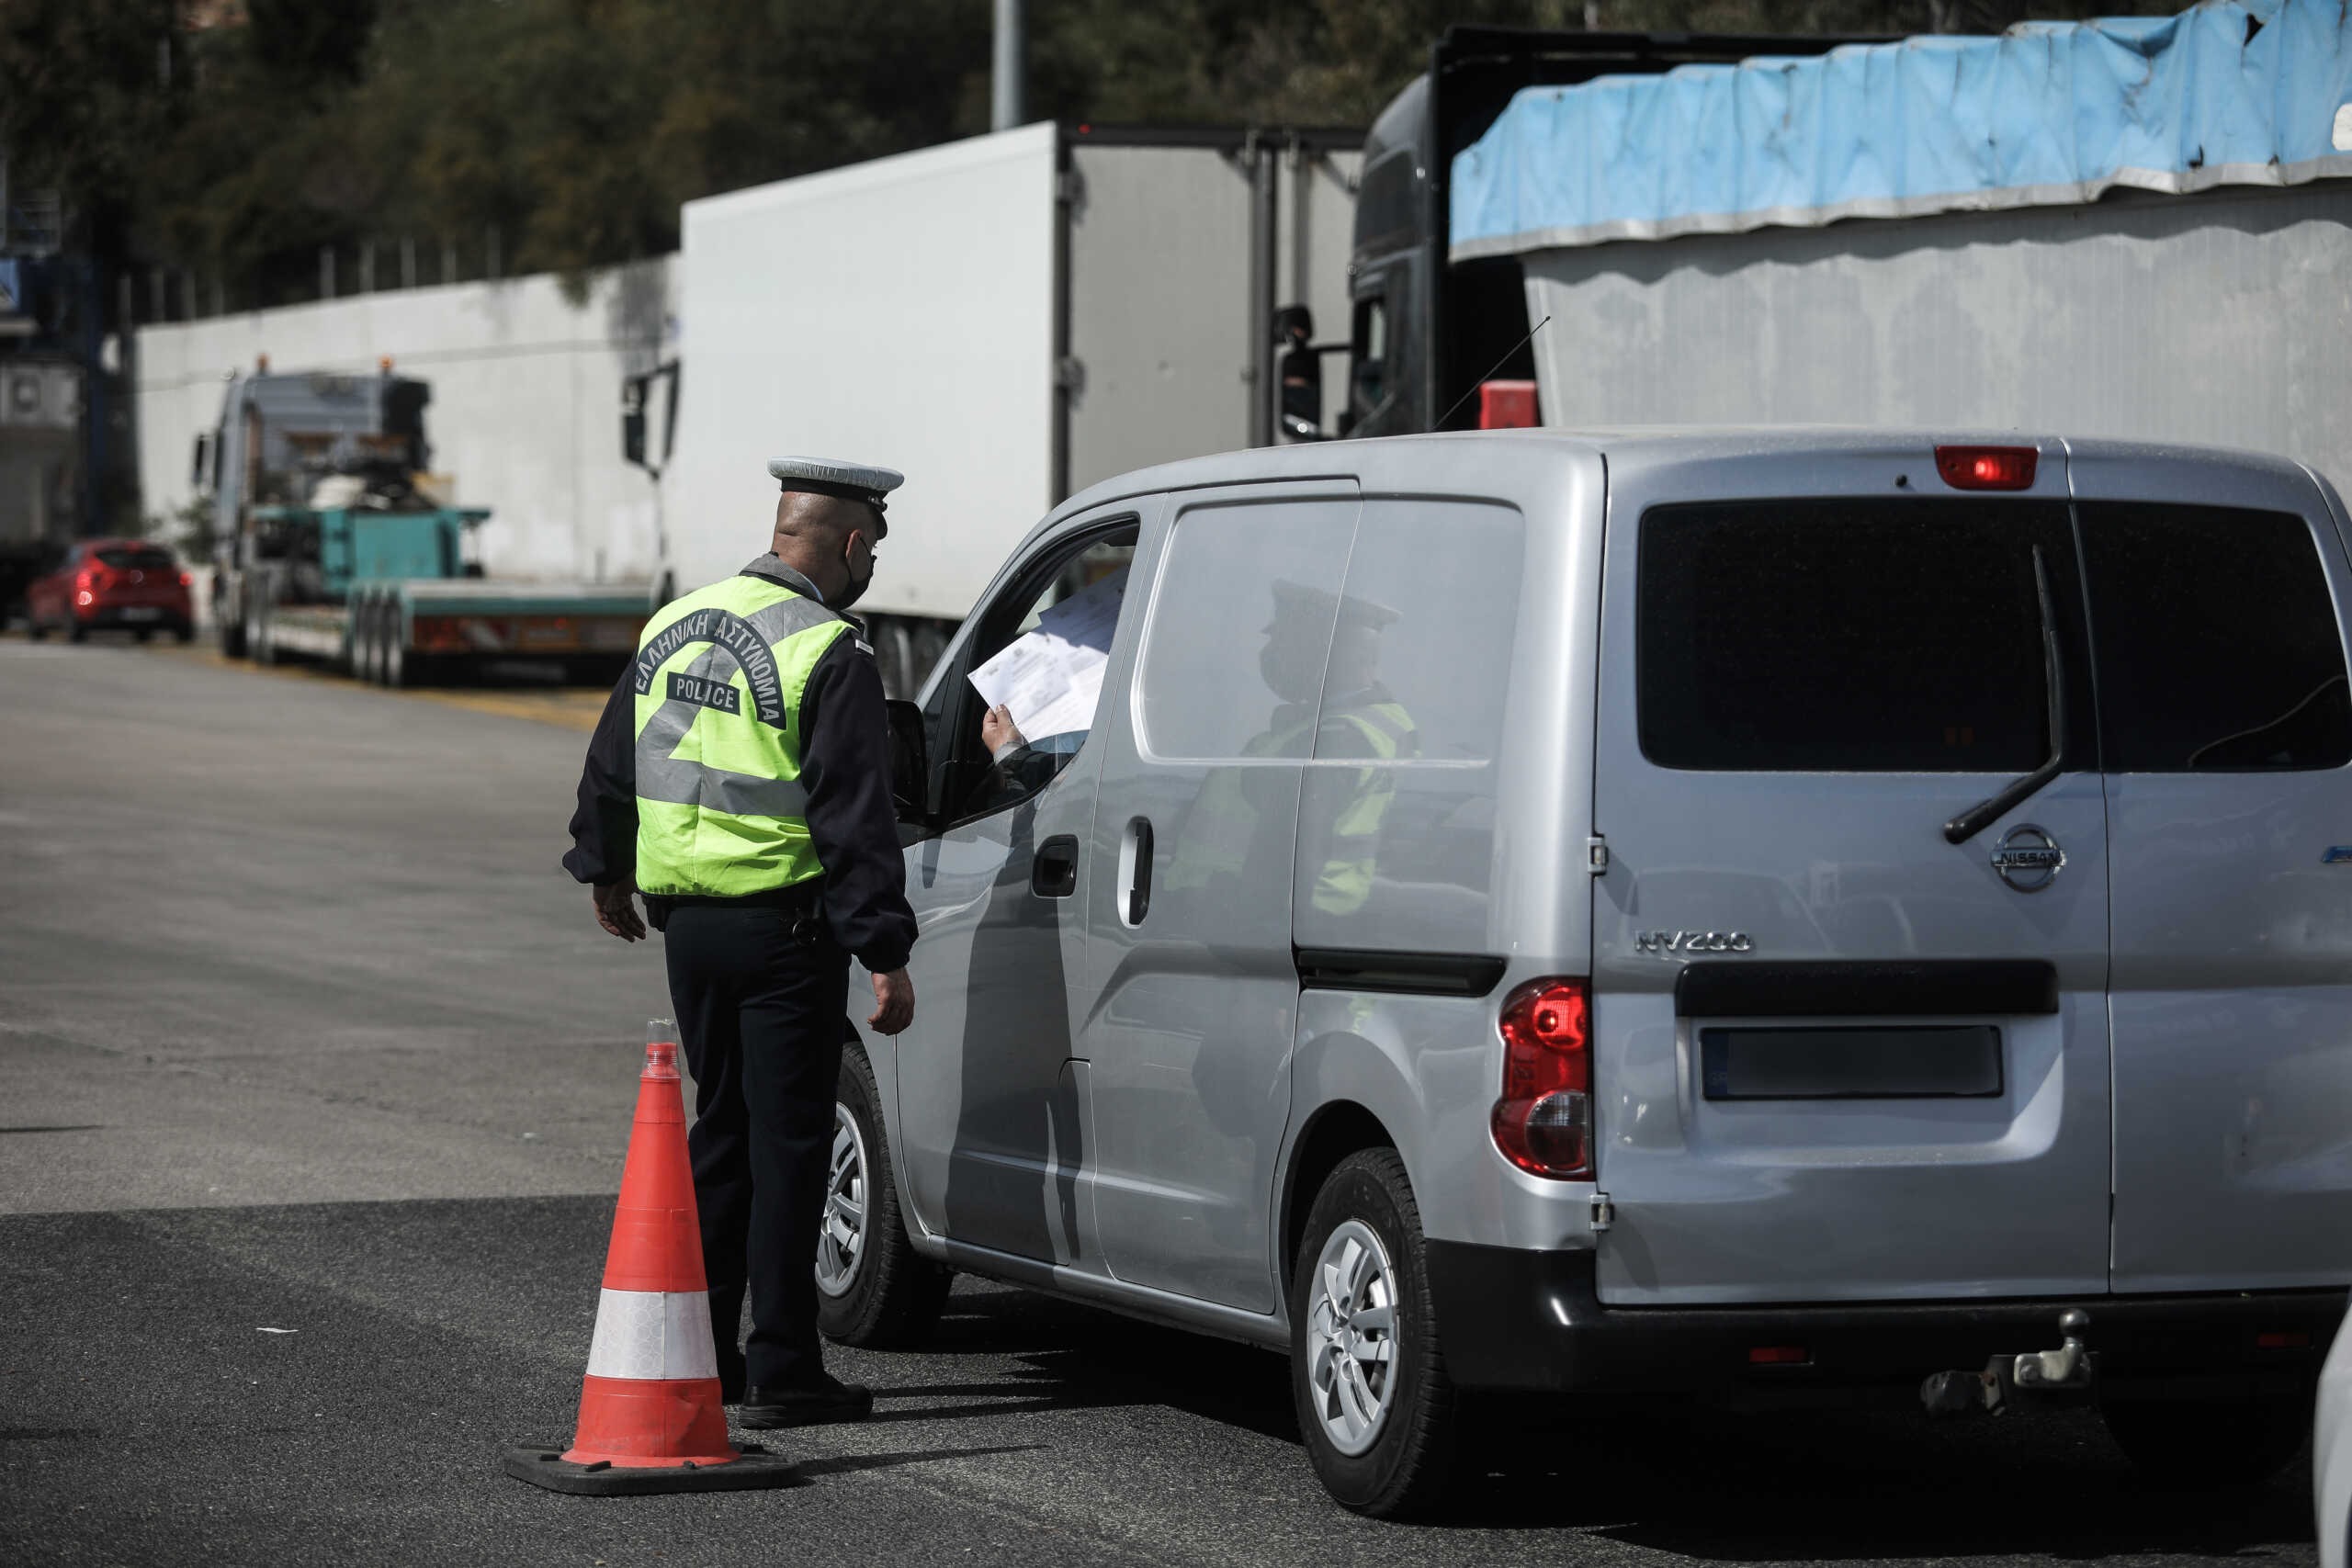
130 583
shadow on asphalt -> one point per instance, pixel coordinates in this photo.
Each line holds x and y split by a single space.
810 1469
1701 1483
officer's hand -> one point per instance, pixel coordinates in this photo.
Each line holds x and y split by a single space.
894 997
616 909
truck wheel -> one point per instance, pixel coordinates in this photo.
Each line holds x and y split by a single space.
75 631
369 656
258 641
398 669
1368 1374
873 1287
33 629
229 628
2210 1443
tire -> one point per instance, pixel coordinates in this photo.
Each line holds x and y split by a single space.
2207 1444
184 634
258 642
1399 1463
367 647
75 631
229 628
33 629
888 1294
395 666
143 633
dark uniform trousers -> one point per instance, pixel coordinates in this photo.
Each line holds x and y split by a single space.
760 1015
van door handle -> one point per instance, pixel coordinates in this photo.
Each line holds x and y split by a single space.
1135 871
1053 874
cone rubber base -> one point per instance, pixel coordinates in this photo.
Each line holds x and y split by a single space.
543 1464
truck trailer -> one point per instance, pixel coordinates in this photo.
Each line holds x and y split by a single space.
1006 319
334 542
2135 228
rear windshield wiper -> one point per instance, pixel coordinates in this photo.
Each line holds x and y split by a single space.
1977 817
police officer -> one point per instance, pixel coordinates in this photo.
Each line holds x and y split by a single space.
739 779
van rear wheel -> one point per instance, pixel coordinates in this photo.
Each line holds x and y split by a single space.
2210 1443
873 1287
1368 1374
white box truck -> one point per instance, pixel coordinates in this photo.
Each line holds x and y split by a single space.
1007 319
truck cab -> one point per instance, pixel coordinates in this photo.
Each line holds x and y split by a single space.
1426 331
280 438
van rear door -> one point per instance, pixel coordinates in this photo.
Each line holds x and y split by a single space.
2217 595
1838 1055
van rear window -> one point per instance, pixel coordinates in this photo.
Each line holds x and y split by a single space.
133 557
2219 650
1850 635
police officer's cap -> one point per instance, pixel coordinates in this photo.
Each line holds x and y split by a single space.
1322 605
846 481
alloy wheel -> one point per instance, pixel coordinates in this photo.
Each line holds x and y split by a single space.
1351 1338
841 1233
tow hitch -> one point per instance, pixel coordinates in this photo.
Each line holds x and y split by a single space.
2063 1376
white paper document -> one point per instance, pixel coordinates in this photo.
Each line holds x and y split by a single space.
1052 678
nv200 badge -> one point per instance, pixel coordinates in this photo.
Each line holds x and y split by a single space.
1666 944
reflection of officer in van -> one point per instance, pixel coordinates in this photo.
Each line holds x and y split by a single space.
1242 813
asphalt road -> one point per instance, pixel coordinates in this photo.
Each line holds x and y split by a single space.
317 1079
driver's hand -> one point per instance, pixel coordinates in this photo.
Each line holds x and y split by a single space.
998 730
616 909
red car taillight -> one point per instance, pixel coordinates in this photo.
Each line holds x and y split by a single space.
1542 1124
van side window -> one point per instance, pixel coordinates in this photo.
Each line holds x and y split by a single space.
1240 627
1901 636
2219 650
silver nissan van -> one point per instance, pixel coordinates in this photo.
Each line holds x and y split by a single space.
1753 913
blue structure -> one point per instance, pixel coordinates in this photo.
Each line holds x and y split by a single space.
2231 92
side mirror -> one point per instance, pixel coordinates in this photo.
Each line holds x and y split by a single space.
201 461
909 761
633 420
638 395
1299 372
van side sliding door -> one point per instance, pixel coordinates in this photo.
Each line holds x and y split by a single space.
1193 984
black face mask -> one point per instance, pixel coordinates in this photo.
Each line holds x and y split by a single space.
855 591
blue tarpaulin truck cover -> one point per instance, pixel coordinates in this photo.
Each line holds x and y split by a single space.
2231 92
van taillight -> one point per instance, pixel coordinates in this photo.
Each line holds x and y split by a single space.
1987 467
1506 405
1542 1124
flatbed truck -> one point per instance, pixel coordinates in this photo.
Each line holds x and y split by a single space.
336 544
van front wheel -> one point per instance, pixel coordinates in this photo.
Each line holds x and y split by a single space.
2206 1443
1367 1373
873 1287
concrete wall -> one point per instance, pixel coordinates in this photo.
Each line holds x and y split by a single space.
525 409
2223 318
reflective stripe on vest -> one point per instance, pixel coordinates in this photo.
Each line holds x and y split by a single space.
720 678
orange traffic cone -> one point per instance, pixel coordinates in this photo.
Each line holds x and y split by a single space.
650 1415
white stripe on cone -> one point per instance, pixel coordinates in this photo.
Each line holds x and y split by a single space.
653 1333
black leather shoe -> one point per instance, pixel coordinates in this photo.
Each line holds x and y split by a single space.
812 1404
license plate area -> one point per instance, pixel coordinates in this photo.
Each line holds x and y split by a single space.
1850 1062
141 613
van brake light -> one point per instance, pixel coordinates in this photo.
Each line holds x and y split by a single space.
1987 467
1542 1124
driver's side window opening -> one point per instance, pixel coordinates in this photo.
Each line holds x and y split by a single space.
1034 681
